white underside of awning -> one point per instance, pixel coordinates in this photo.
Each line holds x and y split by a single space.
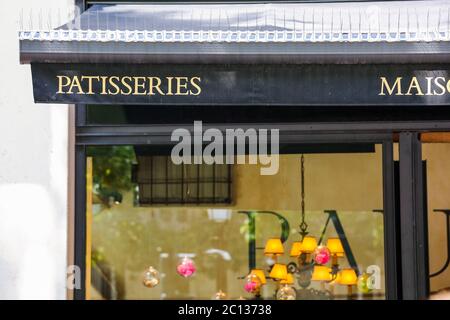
397 21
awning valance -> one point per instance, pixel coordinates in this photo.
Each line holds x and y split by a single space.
397 31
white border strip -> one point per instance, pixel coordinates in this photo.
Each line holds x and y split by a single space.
208 36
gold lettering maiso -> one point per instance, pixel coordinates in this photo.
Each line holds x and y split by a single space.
414 86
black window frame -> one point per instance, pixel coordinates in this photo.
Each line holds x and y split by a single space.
126 135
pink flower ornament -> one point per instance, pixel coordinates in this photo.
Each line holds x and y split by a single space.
251 286
322 255
186 268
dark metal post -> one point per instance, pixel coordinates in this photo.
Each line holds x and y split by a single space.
80 195
80 4
80 219
391 226
413 217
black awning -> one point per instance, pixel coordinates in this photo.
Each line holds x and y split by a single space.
352 32
119 54
243 84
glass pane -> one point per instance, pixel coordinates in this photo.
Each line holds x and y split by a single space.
343 208
436 156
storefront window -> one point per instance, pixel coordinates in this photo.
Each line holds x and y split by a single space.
206 251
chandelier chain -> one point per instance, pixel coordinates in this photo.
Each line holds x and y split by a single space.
303 224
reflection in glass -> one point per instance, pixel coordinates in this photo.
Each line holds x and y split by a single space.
219 245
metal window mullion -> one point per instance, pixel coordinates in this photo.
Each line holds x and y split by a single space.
391 223
214 182
198 183
229 168
80 220
415 281
80 115
151 180
182 183
167 180
80 195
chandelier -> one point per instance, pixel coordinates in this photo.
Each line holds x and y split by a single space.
314 262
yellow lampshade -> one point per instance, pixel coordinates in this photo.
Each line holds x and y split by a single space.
321 273
260 274
289 279
335 246
347 277
279 272
309 244
296 249
273 247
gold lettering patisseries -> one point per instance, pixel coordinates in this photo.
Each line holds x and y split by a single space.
129 85
411 86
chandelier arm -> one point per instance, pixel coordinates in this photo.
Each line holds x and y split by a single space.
292 267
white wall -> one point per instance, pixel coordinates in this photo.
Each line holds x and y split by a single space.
33 170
